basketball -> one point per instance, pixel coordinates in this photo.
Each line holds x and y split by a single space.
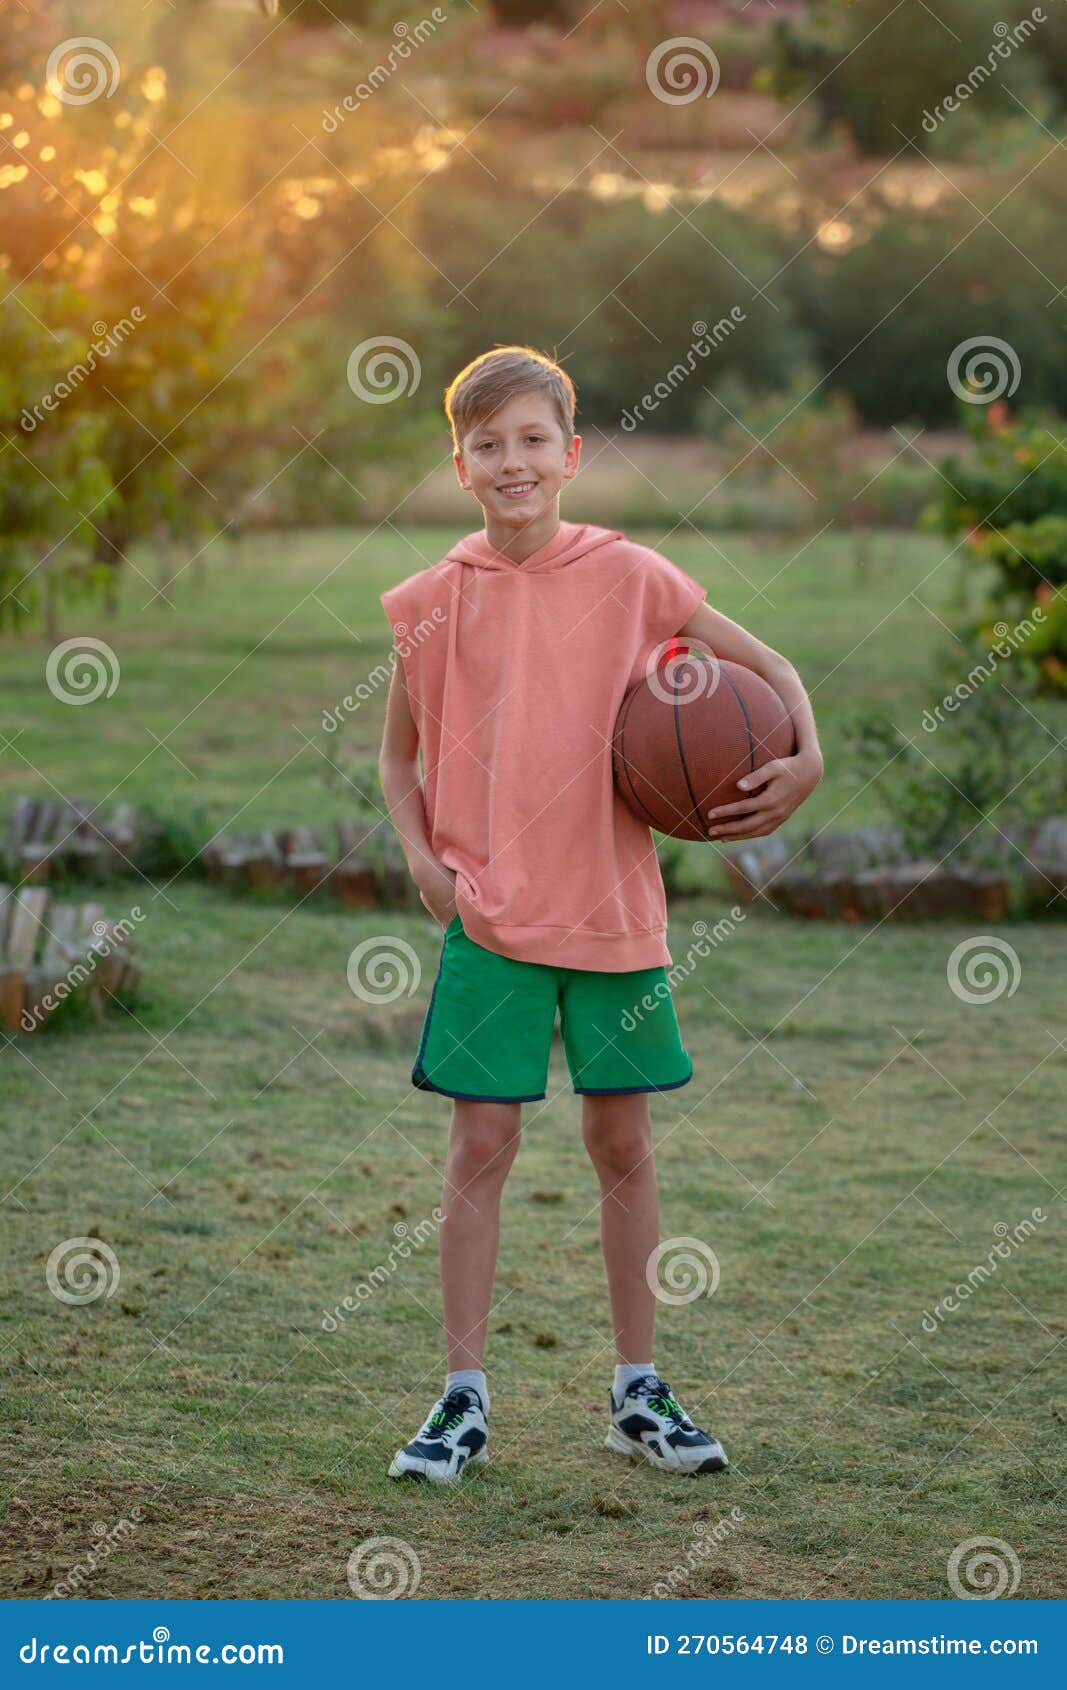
687 733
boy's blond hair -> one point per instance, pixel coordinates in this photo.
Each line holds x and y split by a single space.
493 378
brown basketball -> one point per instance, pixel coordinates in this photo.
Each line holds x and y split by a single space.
687 734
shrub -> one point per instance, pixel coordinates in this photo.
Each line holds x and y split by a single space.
992 766
614 285
879 67
887 314
1008 500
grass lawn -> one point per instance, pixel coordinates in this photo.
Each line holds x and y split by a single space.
246 1142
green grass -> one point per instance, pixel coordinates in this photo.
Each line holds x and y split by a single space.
246 1140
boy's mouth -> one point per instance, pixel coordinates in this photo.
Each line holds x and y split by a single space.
517 489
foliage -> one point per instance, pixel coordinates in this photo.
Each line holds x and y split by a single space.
57 485
887 314
800 432
1008 500
628 285
992 766
911 54
170 839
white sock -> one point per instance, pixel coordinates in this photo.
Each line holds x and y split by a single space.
625 1374
474 1379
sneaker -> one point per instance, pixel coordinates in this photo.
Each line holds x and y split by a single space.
453 1438
648 1425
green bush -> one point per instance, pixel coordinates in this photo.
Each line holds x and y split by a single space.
615 287
954 777
1007 501
881 66
887 315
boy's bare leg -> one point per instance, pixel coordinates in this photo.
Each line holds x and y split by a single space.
481 1148
618 1136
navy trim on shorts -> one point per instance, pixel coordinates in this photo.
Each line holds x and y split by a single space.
622 1091
419 1079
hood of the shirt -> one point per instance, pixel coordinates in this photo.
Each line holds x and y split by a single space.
571 541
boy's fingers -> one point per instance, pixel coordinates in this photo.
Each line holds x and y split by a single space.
744 807
748 826
760 776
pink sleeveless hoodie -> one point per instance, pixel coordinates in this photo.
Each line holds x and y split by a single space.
515 673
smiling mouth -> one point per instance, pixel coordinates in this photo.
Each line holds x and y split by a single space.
518 489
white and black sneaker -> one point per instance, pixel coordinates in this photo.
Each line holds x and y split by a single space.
648 1425
452 1439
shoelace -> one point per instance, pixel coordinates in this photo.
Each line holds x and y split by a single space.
660 1399
450 1414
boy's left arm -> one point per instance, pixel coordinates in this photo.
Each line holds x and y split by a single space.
775 790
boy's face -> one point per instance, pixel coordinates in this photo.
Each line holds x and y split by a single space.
516 462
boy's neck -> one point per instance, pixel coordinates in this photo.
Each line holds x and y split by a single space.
520 543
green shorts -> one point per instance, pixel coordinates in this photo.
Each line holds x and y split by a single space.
487 1033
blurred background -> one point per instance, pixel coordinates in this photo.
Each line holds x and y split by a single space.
568 175
805 263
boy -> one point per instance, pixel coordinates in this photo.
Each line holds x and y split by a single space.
516 652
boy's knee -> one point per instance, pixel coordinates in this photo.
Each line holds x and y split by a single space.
484 1142
620 1149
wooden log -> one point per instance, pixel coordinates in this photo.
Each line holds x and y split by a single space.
120 834
24 911
18 830
90 851
46 840
352 878
306 862
263 865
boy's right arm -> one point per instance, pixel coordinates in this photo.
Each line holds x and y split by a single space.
398 768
